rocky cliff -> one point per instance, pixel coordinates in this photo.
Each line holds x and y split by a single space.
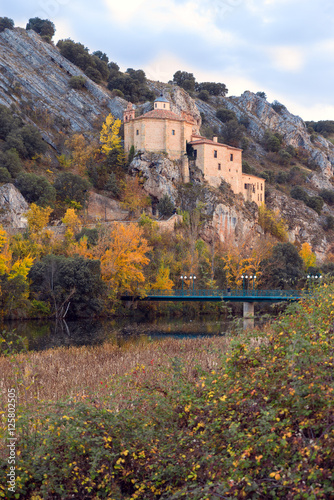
34 80
35 83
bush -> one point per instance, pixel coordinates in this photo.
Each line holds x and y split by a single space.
225 115
92 236
6 22
204 95
212 87
263 95
329 223
299 193
77 82
166 206
71 187
93 74
272 142
112 185
316 203
282 178
36 189
327 195
11 161
43 27
4 175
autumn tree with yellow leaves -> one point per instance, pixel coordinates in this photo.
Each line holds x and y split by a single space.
14 287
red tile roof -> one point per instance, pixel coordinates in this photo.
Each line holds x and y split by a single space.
162 114
208 141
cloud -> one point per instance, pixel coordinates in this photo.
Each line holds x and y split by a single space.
287 58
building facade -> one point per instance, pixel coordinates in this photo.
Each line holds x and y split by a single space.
162 131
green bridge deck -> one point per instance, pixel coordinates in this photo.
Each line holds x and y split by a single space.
222 295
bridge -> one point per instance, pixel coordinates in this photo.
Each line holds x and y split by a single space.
247 296
223 295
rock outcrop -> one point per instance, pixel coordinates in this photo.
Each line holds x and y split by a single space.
12 208
35 74
262 116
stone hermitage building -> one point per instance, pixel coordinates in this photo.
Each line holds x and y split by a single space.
162 131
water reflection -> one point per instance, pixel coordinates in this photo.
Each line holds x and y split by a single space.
42 335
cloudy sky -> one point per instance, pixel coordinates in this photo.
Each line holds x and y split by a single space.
282 47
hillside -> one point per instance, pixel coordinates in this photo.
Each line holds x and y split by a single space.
35 83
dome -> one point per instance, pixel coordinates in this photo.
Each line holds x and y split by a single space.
161 99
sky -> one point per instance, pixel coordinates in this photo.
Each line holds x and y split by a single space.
284 48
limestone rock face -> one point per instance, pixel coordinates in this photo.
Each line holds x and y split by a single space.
12 208
304 224
33 71
161 174
262 116
103 208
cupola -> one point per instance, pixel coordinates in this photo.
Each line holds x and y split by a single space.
162 103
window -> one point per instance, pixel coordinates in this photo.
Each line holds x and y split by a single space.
258 197
219 166
261 187
246 186
137 132
261 197
257 186
173 132
231 157
229 170
155 105
195 154
164 105
215 154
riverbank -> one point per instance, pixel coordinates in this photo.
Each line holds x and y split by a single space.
250 416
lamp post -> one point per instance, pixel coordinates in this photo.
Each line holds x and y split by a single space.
245 277
193 279
182 279
312 277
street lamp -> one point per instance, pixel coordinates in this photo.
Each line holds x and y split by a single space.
312 277
193 278
246 277
182 279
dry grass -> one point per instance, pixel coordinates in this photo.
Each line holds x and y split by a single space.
57 374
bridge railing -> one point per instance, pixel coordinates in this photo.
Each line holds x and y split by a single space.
225 293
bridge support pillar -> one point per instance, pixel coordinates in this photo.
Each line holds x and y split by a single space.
248 314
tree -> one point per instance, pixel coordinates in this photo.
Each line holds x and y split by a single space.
212 88
204 95
83 152
225 115
134 197
101 55
162 282
6 22
71 187
233 133
38 218
13 279
123 261
36 189
4 175
72 285
308 256
43 27
11 160
166 206
263 95
272 223
271 142
109 137
185 80
284 269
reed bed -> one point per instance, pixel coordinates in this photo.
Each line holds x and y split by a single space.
61 373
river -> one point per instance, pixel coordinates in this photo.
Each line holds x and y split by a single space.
46 334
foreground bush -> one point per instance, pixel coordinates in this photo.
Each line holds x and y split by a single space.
259 426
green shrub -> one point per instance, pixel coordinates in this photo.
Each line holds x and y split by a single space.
327 195
225 115
71 187
6 22
204 95
166 206
299 194
77 82
4 175
36 189
11 160
316 203
43 27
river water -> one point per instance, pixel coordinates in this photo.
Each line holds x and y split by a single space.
40 335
